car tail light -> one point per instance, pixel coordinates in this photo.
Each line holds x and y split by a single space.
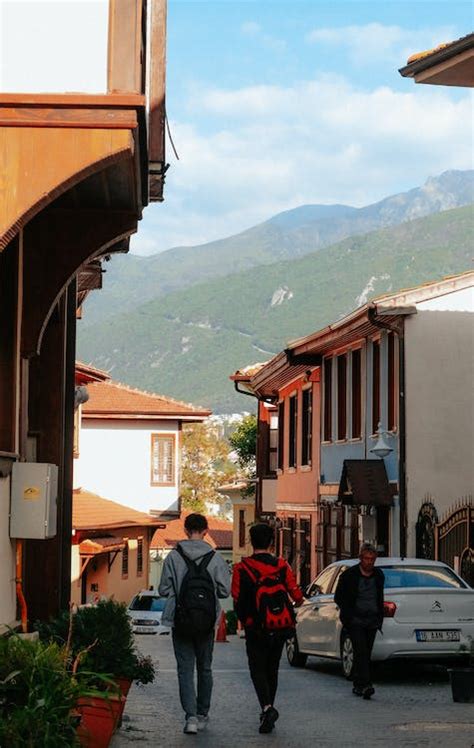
389 609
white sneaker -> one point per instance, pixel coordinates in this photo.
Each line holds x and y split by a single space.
203 721
191 726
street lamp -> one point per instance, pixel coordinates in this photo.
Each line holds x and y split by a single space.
381 448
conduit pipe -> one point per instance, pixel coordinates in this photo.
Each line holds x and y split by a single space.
19 586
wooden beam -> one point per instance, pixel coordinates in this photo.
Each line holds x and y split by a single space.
57 243
157 86
125 54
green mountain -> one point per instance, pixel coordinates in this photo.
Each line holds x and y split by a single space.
186 344
131 280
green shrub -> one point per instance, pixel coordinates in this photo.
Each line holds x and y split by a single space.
102 639
37 695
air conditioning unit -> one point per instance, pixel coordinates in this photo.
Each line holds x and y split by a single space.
34 493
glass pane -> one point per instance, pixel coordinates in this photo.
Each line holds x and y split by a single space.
420 576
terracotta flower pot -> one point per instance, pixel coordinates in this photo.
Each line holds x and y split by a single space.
124 684
99 718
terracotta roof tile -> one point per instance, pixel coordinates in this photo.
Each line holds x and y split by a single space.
219 534
114 400
86 373
92 512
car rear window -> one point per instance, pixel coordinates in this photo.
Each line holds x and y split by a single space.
148 602
420 576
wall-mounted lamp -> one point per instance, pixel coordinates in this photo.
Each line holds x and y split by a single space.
381 447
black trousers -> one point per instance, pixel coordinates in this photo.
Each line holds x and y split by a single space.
264 654
363 642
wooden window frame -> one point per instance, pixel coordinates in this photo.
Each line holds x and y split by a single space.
391 380
9 345
327 412
162 437
356 394
125 560
281 435
293 431
242 528
376 403
140 556
341 370
273 450
307 426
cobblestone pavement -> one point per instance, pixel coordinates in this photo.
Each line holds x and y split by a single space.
412 707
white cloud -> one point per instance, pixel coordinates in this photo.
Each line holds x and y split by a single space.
374 42
250 27
320 141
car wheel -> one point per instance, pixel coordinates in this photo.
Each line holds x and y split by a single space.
347 655
295 657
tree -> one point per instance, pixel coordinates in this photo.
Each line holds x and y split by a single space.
205 466
243 441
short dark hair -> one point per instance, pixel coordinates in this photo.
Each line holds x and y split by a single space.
261 536
195 523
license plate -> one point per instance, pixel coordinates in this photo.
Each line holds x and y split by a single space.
438 636
143 629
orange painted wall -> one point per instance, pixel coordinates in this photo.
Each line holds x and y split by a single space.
113 584
300 485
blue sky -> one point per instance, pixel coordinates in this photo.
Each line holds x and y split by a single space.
273 104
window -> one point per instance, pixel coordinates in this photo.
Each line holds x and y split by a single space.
307 427
241 528
341 397
328 399
322 583
375 385
139 557
356 425
273 445
125 560
391 417
421 576
281 431
149 601
293 431
162 459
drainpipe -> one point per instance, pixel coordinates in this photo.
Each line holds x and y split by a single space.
399 329
19 586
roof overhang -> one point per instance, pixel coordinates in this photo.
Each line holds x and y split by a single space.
96 546
364 483
121 416
450 65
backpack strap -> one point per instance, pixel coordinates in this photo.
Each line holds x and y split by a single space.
254 574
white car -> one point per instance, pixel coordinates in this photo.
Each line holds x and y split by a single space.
428 614
145 612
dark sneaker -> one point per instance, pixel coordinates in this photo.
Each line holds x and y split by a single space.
368 692
357 691
268 719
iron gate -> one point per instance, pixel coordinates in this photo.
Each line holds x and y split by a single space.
454 541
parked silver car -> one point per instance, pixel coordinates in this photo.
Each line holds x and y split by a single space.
428 614
145 612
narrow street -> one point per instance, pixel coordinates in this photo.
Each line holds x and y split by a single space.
412 707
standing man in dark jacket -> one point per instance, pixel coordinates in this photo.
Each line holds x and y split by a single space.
359 595
264 581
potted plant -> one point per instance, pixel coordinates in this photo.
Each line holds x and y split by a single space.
37 695
462 678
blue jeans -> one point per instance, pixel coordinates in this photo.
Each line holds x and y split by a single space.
196 651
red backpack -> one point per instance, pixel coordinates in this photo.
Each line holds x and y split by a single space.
273 605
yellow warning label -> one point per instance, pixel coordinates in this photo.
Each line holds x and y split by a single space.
31 492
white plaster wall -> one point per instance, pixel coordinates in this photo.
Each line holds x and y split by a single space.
115 462
439 342
53 47
7 560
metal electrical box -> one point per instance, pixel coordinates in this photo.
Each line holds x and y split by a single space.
34 494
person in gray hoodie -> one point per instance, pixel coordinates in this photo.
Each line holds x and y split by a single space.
193 649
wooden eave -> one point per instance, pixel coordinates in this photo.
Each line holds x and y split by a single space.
452 65
121 416
90 152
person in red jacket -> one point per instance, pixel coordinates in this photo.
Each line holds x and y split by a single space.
262 586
